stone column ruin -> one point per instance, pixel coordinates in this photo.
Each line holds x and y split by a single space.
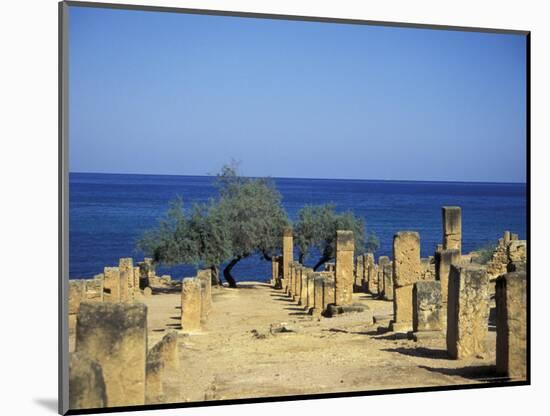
115 336
511 303
467 311
452 228
288 255
345 245
191 304
406 272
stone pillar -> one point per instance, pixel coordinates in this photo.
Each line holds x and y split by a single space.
388 281
318 280
371 278
136 282
443 261
514 236
275 271
507 237
154 392
94 288
382 262
359 273
296 277
345 245
288 254
310 303
467 311
511 300
191 304
329 294
162 357
406 272
86 383
427 306
126 267
303 287
111 284
77 293
205 277
452 228
115 336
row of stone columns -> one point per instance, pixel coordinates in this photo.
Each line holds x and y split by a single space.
111 365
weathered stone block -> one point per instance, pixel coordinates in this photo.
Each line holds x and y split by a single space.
94 288
443 261
511 302
406 258
318 280
310 302
402 305
452 228
126 269
344 267
328 292
77 293
111 284
517 251
191 304
302 299
516 266
427 306
154 377
382 262
388 281
359 273
467 311
371 276
115 336
288 254
86 384
205 277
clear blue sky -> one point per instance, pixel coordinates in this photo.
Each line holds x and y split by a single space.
165 93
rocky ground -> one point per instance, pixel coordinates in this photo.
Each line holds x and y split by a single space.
237 356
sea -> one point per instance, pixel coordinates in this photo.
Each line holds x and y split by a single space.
108 213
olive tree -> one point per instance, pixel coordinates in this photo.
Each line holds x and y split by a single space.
316 228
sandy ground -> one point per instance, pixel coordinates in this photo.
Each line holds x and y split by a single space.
236 356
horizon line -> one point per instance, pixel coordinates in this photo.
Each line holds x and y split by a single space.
206 175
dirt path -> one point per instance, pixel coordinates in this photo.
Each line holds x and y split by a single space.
236 356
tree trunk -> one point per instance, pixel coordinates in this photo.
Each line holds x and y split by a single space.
227 272
215 275
321 261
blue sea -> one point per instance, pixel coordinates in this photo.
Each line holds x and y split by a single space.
109 212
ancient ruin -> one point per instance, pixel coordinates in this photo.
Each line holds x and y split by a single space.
406 272
345 246
115 336
452 228
442 300
467 311
511 313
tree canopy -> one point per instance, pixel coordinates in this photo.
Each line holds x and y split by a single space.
316 229
246 219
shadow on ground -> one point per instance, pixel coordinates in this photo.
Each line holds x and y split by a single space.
479 373
49 404
434 354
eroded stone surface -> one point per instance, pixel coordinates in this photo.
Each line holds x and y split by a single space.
344 267
427 306
86 384
191 304
406 258
115 336
511 303
452 228
467 311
